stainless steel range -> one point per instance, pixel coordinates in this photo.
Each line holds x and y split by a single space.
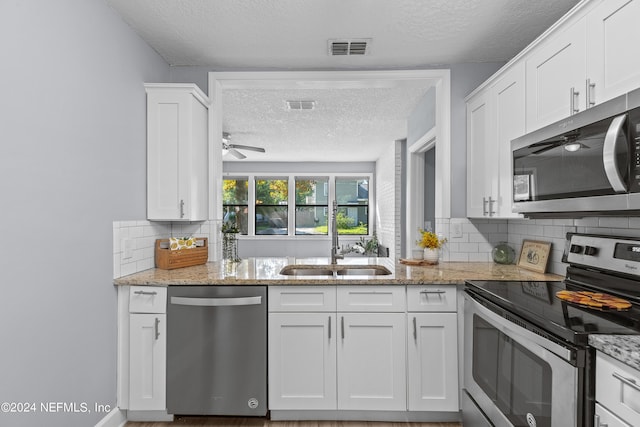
527 358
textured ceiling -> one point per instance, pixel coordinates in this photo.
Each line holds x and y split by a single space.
229 35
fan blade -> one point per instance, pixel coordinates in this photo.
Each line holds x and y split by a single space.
550 147
235 153
247 147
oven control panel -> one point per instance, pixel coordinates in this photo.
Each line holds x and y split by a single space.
604 252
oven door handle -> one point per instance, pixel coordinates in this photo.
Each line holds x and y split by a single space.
609 159
523 335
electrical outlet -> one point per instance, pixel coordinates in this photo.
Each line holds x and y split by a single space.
456 230
127 248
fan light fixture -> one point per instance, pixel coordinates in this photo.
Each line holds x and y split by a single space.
575 146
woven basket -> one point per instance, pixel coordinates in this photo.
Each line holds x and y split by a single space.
166 259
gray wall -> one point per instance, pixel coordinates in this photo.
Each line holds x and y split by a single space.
423 118
72 160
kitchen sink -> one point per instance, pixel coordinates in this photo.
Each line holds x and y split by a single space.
334 270
306 270
362 270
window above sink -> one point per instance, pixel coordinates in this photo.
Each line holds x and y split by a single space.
296 204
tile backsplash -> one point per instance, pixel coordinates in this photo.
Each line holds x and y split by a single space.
141 237
479 236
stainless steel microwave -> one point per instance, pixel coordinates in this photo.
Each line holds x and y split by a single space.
587 164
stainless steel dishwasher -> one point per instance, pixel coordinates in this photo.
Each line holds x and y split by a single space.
217 350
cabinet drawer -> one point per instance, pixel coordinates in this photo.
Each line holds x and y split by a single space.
618 388
302 298
431 298
372 298
147 299
606 418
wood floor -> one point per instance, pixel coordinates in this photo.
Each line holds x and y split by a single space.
260 422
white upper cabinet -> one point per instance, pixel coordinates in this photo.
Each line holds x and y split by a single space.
479 150
584 62
177 160
612 67
509 98
495 116
556 76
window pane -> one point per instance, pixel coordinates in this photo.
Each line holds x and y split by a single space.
353 220
235 192
312 191
272 191
311 220
238 215
271 220
352 191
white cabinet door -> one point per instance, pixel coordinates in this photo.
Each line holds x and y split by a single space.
613 69
177 147
371 361
302 361
509 118
480 165
432 363
147 362
604 418
556 75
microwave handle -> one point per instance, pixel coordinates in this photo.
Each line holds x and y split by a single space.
609 155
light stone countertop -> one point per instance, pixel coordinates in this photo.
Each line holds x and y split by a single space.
266 271
625 348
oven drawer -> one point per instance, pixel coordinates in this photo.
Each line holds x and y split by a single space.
618 388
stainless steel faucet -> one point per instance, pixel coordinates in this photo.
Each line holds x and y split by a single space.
335 248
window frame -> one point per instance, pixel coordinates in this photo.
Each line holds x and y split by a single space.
245 205
291 176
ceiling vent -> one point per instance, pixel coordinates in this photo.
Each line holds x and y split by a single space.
301 105
342 47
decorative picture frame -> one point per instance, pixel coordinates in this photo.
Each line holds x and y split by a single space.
534 255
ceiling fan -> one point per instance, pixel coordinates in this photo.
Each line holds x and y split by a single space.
568 141
233 148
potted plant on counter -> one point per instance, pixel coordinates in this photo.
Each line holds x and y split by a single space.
431 243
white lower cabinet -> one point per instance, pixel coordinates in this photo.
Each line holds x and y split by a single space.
433 363
302 360
147 362
432 349
371 361
355 348
617 393
143 349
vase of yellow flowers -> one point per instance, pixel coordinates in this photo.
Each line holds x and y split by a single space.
431 244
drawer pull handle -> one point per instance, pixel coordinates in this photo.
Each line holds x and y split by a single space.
145 293
433 292
628 381
329 328
342 326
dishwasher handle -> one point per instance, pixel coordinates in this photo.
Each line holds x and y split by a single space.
216 302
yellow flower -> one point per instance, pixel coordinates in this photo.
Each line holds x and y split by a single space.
430 240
